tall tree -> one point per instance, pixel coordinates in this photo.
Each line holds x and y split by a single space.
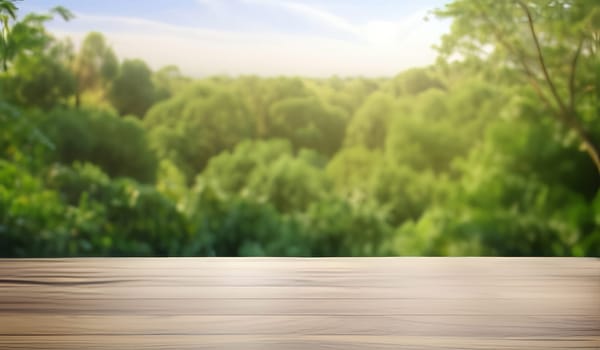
132 91
95 66
553 45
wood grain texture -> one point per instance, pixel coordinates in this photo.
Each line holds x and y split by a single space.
274 303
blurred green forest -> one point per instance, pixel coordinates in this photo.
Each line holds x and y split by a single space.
491 151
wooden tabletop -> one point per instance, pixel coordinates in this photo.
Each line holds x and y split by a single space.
276 303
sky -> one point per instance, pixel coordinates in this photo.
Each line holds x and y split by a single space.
264 37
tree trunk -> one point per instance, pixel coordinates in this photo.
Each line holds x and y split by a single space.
586 140
77 99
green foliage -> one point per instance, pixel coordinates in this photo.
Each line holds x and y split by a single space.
124 218
8 9
336 228
97 60
269 172
351 169
32 218
414 81
168 81
229 226
439 127
118 145
231 171
308 124
171 181
43 80
258 96
346 93
459 158
27 36
39 74
547 45
95 65
289 183
132 91
370 124
197 124
20 140
501 207
402 193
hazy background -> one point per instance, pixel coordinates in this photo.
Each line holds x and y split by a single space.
265 37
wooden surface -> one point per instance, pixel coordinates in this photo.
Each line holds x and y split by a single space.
272 303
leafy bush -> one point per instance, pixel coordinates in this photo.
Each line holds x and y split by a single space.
135 219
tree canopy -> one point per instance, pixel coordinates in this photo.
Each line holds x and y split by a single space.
493 150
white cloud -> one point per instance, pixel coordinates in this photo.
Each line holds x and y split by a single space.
213 5
372 32
383 48
310 12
